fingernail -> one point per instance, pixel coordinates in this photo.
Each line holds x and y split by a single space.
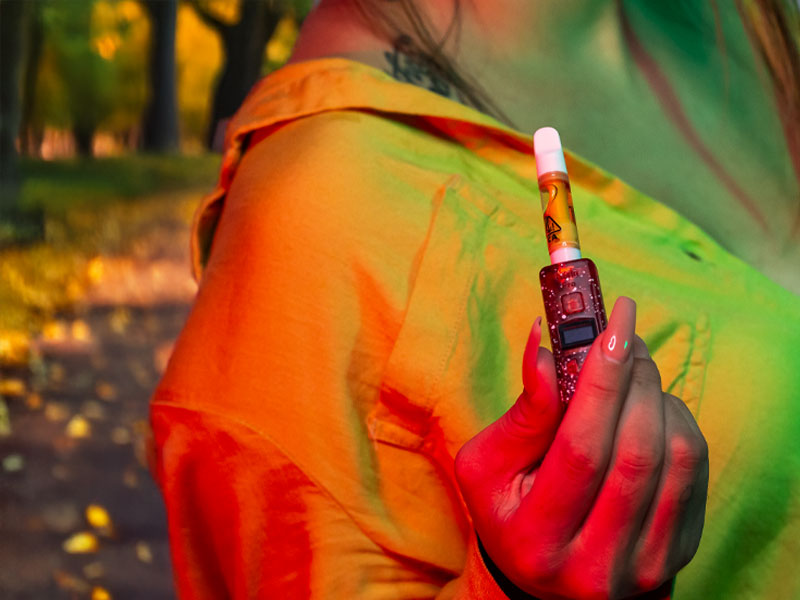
530 355
618 336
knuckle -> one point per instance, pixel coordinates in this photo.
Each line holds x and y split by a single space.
581 458
604 389
688 453
645 374
640 459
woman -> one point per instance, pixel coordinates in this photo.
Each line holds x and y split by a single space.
338 418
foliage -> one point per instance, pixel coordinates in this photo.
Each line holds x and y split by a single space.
92 72
198 56
93 66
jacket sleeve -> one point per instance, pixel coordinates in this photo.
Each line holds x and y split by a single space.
272 483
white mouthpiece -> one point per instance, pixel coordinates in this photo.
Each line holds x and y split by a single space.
548 151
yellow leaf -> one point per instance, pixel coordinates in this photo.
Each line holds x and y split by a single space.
97 516
78 427
81 331
13 463
83 542
54 331
100 593
12 387
33 401
143 552
14 346
94 269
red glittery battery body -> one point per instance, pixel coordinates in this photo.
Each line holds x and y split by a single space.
573 305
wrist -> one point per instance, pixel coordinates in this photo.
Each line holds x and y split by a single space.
508 587
514 592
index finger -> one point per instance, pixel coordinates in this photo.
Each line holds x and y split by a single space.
573 468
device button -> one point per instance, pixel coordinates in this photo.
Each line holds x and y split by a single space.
572 366
572 303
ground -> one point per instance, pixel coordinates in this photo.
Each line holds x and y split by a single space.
80 514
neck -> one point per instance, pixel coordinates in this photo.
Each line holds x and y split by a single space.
500 43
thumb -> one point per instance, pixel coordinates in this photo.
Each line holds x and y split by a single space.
519 439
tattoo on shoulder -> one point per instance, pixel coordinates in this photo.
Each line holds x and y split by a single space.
410 65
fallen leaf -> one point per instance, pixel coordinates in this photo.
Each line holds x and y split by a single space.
13 463
120 435
54 331
80 331
143 552
100 593
12 387
33 401
98 517
56 411
69 582
79 427
84 542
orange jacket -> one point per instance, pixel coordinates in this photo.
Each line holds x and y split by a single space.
362 313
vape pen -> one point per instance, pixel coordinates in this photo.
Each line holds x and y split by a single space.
573 302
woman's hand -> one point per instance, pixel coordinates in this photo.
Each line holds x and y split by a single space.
605 500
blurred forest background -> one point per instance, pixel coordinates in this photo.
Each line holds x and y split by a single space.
111 120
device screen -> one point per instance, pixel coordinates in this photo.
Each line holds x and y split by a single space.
577 333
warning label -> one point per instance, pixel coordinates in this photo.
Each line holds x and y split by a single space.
552 228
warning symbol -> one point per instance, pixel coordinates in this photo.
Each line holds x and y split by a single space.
552 228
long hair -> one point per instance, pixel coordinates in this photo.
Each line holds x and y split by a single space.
772 26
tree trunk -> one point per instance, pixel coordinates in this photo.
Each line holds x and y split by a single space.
12 19
84 136
30 134
160 130
244 54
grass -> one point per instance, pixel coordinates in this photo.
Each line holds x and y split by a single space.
59 186
115 206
